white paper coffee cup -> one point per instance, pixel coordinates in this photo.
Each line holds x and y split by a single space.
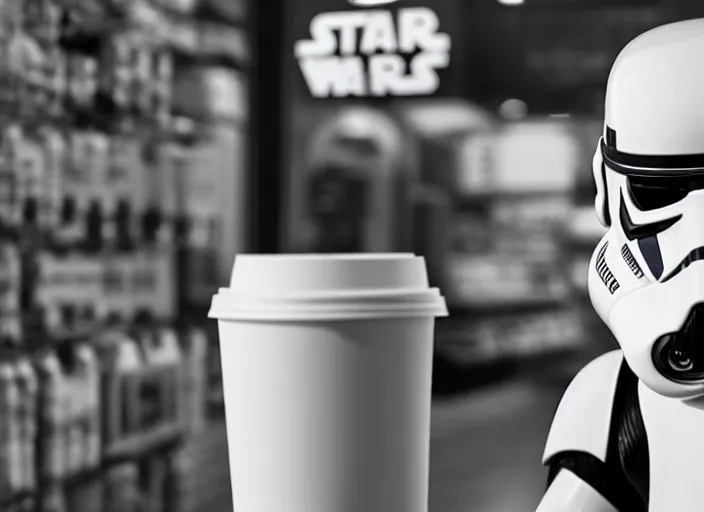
327 370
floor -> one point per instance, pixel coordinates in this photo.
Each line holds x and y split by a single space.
485 451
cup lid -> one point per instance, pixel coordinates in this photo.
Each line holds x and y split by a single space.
303 287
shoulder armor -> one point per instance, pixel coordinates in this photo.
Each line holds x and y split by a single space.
583 419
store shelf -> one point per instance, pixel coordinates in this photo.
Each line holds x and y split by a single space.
93 151
228 11
493 194
484 340
583 234
164 439
475 355
208 40
86 477
497 306
471 201
584 227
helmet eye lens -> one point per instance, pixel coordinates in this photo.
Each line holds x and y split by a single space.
651 193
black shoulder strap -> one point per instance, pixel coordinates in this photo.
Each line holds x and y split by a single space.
620 479
629 438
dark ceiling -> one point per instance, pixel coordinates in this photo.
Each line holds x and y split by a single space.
556 59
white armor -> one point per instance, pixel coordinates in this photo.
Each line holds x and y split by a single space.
590 395
646 282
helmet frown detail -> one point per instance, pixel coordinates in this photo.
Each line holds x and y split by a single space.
646 277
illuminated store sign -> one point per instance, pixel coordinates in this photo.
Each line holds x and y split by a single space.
374 53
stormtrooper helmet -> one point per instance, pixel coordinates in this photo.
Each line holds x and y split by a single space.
646 276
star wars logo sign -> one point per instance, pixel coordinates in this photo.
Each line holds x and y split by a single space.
374 53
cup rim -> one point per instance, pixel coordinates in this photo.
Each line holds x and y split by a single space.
233 306
329 256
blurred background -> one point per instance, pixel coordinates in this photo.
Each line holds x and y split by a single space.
145 142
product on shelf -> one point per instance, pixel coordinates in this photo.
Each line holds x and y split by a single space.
11 16
159 388
120 362
159 88
10 289
179 496
79 177
53 499
80 390
69 291
55 154
154 281
125 179
56 81
122 489
116 282
28 391
230 10
41 19
96 158
194 345
12 151
156 469
11 464
180 6
69 417
170 164
136 76
85 494
25 60
24 505
116 71
91 415
82 85
141 390
30 177
52 448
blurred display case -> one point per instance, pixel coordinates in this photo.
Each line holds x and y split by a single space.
508 268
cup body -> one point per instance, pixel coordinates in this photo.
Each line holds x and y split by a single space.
328 417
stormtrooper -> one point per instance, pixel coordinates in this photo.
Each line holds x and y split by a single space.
628 434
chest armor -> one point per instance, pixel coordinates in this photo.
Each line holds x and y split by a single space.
675 438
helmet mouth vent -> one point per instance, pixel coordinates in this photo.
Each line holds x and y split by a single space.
679 356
